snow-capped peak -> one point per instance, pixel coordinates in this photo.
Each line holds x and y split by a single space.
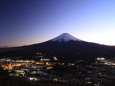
65 37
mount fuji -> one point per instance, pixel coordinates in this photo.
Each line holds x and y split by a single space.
65 47
65 37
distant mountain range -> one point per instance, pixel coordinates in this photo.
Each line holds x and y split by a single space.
64 47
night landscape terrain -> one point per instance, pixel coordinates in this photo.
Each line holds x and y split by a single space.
57 60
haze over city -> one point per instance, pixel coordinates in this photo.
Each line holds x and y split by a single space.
25 22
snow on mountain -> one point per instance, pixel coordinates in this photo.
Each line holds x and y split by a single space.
65 37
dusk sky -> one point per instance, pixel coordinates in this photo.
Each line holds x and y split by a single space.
25 22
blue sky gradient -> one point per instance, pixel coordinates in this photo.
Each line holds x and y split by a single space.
25 22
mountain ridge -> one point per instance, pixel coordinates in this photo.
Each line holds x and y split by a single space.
65 50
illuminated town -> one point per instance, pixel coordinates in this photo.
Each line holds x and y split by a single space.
80 72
